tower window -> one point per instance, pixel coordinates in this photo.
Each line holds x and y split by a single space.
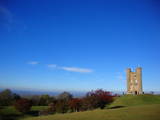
136 81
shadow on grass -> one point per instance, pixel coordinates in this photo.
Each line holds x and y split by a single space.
10 117
17 116
33 113
116 107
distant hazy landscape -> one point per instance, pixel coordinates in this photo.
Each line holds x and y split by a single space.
74 93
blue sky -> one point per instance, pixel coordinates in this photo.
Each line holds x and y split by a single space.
78 44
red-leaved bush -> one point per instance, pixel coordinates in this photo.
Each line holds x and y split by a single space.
23 105
94 99
75 104
99 98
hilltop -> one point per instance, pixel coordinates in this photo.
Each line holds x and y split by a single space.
134 100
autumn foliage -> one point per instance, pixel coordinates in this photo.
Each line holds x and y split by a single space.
98 98
75 104
94 99
23 105
62 103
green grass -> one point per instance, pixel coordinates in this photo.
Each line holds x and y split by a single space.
11 110
134 100
128 107
10 113
144 112
38 108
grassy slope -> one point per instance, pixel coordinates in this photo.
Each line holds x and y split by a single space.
144 112
138 107
131 100
11 110
10 113
39 108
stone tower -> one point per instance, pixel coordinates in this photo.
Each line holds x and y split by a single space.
134 81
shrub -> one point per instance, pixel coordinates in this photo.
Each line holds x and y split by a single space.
6 97
23 105
45 100
75 104
65 96
52 107
98 98
61 106
89 103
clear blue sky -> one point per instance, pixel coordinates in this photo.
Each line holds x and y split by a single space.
78 44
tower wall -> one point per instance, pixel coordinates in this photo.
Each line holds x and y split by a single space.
128 79
139 79
134 81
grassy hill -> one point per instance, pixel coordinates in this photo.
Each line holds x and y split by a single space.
10 113
128 107
138 107
134 100
144 112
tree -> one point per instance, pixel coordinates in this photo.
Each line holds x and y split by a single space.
75 104
98 98
46 99
61 106
6 97
105 97
65 96
23 105
52 107
35 99
89 103
16 96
